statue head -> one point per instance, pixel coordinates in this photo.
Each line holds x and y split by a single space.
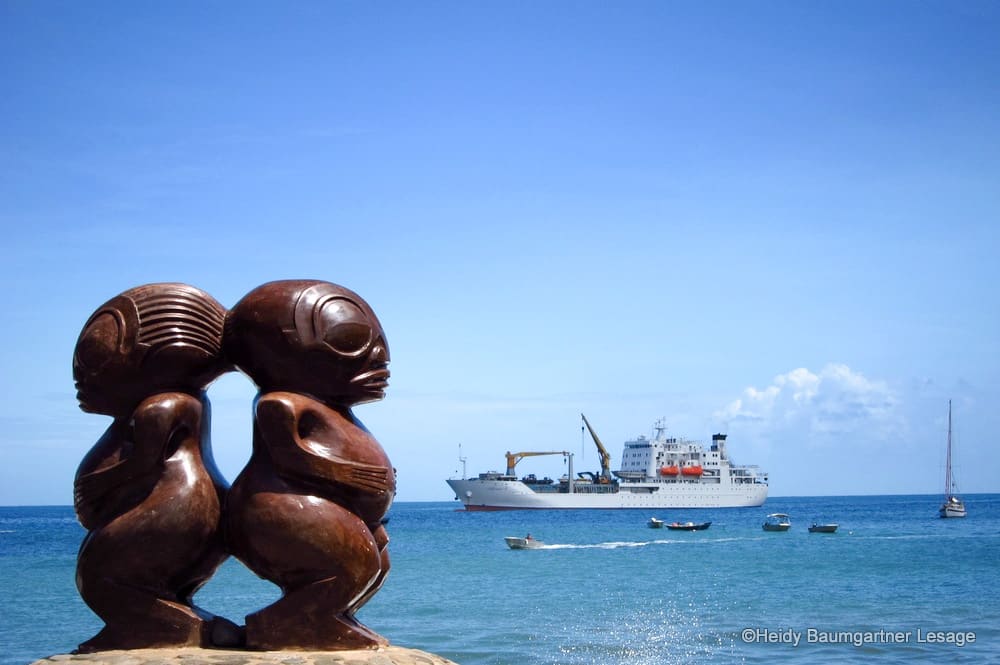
310 337
150 339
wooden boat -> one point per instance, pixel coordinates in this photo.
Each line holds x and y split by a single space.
527 543
777 522
823 528
689 526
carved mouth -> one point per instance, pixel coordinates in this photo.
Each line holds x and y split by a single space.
81 393
85 402
376 380
90 398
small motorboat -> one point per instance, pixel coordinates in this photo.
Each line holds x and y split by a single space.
689 526
526 543
823 528
777 522
655 523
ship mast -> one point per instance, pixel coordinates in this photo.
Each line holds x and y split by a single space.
947 462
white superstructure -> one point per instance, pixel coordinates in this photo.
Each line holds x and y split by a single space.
659 472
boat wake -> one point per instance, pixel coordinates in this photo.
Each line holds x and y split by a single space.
912 536
615 545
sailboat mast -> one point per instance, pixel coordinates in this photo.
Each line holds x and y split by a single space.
947 462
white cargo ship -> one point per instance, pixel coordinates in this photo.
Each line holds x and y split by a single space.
657 472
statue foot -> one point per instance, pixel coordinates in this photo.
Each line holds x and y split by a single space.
334 633
312 617
225 634
162 623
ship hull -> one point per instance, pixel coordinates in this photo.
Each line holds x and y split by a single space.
485 494
952 510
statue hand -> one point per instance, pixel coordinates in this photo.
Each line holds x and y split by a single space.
372 479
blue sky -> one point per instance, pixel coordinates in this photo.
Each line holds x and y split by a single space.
780 220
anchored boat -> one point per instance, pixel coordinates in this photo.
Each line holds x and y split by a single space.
952 506
688 526
777 522
657 472
823 528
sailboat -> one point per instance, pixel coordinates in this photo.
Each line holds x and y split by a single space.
952 506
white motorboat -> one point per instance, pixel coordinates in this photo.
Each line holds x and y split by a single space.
527 543
777 522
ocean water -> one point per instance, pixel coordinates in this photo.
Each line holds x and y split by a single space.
895 582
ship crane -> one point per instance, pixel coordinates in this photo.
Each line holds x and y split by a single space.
514 458
605 476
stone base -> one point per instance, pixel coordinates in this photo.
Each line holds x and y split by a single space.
390 655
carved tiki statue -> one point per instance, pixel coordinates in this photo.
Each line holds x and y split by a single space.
148 491
306 511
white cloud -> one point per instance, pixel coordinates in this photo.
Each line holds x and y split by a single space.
836 400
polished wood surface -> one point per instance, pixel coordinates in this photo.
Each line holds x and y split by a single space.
305 513
148 491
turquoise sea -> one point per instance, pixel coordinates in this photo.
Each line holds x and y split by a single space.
895 582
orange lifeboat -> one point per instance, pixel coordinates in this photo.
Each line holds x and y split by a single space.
692 470
669 470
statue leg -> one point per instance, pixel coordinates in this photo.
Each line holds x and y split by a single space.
315 610
138 611
382 540
223 632
136 619
302 619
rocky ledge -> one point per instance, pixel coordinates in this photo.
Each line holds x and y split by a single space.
390 655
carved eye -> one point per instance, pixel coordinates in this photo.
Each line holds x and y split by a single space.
98 343
345 326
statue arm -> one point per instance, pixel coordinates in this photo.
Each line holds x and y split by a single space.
287 432
155 424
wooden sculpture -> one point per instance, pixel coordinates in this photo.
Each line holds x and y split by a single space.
148 491
306 511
